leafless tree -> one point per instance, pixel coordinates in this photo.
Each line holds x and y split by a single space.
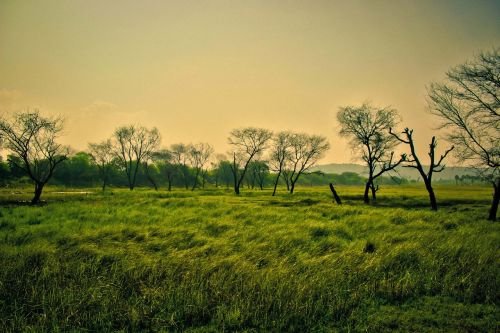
103 157
32 138
131 145
305 151
468 104
280 154
198 156
247 143
368 129
414 162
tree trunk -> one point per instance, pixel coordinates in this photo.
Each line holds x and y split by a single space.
152 181
149 177
366 197
292 187
374 191
169 185
286 179
38 193
276 183
132 184
494 205
195 183
335 195
432 196
186 181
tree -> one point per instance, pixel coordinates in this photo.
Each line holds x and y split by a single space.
166 166
305 151
258 170
180 154
216 171
224 172
280 154
468 105
31 137
76 170
198 156
414 162
103 157
131 145
247 144
150 164
368 129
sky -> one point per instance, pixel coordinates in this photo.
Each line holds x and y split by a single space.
198 69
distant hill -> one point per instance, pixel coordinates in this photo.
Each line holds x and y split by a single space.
448 173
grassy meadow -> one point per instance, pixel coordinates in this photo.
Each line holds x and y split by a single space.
210 261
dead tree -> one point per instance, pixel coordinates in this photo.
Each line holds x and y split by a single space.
335 195
414 162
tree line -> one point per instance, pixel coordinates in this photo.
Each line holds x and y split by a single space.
467 103
79 171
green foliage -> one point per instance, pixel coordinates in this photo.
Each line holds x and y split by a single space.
209 261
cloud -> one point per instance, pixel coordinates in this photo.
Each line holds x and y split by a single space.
100 106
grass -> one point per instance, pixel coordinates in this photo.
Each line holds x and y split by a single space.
208 260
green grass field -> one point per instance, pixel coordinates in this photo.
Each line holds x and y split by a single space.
210 261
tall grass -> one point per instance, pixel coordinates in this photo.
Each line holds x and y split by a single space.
208 261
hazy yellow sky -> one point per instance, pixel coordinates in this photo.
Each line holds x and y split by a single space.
197 69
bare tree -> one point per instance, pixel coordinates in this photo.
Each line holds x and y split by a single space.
31 137
368 129
180 153
247 144
198 156
414 162
103 157
131 145
280 154
305 151
468 105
